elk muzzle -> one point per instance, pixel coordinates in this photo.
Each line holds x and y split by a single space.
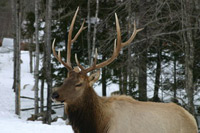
55 95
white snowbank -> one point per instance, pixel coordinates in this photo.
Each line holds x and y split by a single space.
15 125
9 122
7 45
7 42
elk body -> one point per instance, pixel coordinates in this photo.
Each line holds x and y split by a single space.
89 113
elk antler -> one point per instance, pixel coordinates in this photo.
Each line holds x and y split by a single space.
117 48
69 43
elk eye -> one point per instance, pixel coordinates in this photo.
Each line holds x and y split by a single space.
78 85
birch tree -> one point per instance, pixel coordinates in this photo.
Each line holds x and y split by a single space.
95 28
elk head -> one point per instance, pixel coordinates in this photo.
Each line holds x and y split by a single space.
77 82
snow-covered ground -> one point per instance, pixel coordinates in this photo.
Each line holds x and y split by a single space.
9 122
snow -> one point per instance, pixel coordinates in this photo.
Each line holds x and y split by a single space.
93 20
16 125
7 42
9 122
7 45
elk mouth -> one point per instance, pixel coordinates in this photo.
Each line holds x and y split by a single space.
54 100
57 101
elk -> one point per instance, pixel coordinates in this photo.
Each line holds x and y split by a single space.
90 113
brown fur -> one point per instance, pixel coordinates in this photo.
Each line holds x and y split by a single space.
89 113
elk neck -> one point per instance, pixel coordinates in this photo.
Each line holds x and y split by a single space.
83 114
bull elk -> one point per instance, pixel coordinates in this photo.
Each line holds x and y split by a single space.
90 113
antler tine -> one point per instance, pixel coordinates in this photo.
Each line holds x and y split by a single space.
53 49
118 35
79 65
69 43
135 31
78 33
58 57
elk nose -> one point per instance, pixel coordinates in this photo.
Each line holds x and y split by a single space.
55 95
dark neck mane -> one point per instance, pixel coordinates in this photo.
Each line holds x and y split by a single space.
83 114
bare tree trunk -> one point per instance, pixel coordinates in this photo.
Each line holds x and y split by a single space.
120 81
189 53
158 73
129 46
18 41
189 85
142 59
89 32
124 80
36 72
143 76
103 80
48 20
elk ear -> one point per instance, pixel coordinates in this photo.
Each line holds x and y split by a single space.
94 77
